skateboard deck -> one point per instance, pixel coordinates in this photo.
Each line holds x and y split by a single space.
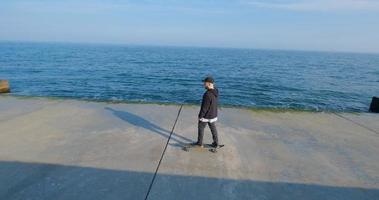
209 147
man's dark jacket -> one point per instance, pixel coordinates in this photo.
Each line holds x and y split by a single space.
209 104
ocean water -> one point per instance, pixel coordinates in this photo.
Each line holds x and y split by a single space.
250 78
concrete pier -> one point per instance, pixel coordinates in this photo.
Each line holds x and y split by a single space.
68 149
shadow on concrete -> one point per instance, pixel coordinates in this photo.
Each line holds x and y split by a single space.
138 121
22 180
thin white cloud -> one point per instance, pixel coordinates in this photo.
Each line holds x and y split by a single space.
98 6
320 5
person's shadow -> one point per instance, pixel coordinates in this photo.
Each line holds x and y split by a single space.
141 122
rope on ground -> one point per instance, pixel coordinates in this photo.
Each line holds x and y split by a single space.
356 123
164 151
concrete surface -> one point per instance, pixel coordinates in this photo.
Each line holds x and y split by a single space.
55 149
67 149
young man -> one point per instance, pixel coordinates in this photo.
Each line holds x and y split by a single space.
208 112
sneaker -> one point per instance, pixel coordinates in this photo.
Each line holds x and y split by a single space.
197 144
214 145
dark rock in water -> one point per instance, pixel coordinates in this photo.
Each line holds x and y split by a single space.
374 107
4 86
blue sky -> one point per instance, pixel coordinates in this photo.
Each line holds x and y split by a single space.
330 25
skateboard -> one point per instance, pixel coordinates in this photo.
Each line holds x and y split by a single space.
209 147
